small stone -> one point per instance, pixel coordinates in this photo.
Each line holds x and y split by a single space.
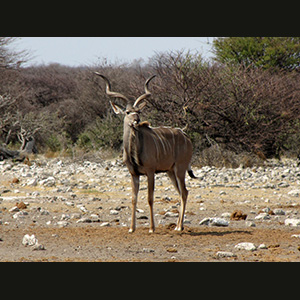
64 217
82 208
20 214
250 224
278 211
262 246
32 182
262 216
222 254
214 222
21 205
292 222
95 218
49 182
294 193
84 220
105 224
29 240
38 247
171 214
218 222
62 224
14 209
226 215
113 212
76 216
245 246
204 221
148 250
295 235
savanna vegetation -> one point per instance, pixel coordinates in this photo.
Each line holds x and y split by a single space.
245 102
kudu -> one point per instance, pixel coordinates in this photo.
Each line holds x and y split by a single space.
149 150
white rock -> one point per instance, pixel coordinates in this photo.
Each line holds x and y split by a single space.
95 218
226 215
295 235
245 246
218 222
266 210
49 182
113 212
204 221
263 216
82 208
250 224
14 209
20 214
76 216
62 224
84 220
65 217
225 254
294 193
29 240
105 224
262 246
171 214
292 222
214 222
32 182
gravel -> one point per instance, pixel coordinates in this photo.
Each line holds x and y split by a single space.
62 193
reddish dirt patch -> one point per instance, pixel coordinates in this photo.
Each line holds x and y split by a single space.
115 244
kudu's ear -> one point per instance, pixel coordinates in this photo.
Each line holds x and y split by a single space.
117 109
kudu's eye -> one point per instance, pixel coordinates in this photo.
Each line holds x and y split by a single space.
127 112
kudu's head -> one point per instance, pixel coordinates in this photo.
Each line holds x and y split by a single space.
132 109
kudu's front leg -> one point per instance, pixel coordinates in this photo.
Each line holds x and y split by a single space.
135 184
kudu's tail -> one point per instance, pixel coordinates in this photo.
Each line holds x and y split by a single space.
190 172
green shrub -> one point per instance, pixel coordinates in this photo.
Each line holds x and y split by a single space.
104 133
53 143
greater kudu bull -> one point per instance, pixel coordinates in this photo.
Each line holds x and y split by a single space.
149 150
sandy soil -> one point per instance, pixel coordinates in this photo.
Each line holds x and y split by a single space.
108 201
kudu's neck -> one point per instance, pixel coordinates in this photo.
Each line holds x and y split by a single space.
126 136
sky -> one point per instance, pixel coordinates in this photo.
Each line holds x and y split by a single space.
81 51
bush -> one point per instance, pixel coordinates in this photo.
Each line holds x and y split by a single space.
240 109
104 133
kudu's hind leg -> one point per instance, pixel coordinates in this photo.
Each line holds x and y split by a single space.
172 176
150 199
180 177
135 184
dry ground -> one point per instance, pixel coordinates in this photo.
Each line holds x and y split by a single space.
91 242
